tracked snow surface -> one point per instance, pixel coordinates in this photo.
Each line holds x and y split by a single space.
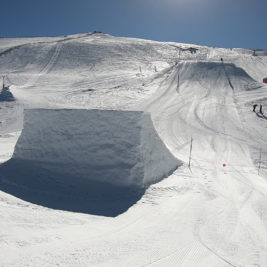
95 140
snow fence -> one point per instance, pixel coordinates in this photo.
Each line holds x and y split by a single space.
116 147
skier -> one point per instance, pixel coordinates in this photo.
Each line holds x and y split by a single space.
261 109
221 59
254 107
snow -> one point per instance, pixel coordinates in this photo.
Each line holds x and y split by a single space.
211 215
116 147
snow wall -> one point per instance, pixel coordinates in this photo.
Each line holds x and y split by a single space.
115 147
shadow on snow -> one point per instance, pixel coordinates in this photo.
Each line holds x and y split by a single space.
260 115
82 196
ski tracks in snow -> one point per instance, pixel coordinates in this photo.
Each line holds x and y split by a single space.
33 80
212 118
214 216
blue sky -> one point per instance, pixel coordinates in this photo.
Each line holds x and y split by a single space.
220 23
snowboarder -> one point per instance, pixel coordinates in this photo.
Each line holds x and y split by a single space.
254 107
221 59
261 109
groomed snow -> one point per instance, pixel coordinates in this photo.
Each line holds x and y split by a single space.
213 214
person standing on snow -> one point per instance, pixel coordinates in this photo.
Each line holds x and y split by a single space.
261 109
254 107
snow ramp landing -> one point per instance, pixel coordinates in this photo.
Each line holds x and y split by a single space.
92 161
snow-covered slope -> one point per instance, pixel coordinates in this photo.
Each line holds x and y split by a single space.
213 214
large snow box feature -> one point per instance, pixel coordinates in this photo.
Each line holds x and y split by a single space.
71 146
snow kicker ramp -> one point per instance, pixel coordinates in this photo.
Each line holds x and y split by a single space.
65 155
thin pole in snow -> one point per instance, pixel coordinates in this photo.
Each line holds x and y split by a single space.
189 162
259 163
178 81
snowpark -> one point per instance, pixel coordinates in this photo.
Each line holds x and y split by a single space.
96 136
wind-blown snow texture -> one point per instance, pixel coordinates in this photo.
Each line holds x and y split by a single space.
213 214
